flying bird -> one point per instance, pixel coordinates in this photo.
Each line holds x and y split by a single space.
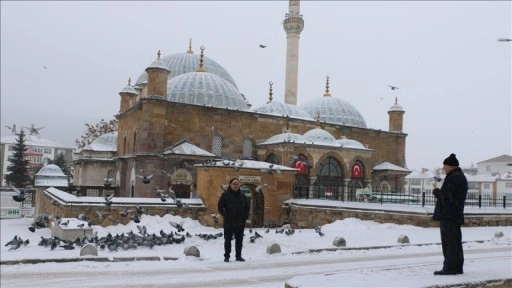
44 67
393 87
262 46
21 195
145 179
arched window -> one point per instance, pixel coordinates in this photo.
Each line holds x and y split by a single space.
217 145
247 149
272 159
329 183
124 144
134 141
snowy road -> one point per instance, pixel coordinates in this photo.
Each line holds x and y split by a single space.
403 264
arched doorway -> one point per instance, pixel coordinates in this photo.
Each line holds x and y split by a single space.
257 204
329 180
356 180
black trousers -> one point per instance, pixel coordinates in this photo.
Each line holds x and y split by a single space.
228 236
451 240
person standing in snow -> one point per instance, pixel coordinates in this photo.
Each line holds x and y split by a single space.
449 212
234 208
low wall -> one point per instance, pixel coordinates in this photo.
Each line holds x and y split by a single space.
310 217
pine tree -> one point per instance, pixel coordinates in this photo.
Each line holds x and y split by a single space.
61 162
18 167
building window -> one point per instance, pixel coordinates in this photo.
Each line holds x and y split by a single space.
488 168
217 145
487 185
272 159
508 184
416 182
11 147
92 192
247 149
48 151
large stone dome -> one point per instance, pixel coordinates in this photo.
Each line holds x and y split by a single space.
182 63
205 89
334 110
319 136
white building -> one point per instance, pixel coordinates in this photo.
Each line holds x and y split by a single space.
492 182
39 149
497 165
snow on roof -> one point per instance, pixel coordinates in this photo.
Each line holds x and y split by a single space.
415 174
106 142
186 148
249 164
65 197
32 140
389 166
502 158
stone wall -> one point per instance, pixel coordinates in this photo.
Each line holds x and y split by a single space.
309 217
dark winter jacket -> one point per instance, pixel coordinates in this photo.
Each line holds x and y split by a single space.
451 197
234 207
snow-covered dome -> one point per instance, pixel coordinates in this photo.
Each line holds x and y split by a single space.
396 107
51 170
182 63
334 110
106 142
321 137
349 143
286 137
205 89
283 109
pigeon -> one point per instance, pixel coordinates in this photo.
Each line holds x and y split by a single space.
215 218
21 195
145 179
108 199
139 209
262 46
101 216
125 212
178 226
393 87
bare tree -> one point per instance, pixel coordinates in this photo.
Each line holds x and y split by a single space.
92 132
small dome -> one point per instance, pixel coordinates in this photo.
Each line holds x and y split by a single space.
283 109
205 89
285 137
158 64
51 170
321 137
396 107
182 63
349 143
128 90
106 142
334 110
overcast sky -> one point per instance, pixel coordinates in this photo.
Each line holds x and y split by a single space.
454 77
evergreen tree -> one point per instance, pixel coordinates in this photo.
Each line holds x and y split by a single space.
61 162
18 167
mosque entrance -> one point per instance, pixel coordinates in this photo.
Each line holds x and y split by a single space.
256 204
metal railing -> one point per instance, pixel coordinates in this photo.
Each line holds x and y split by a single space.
424 199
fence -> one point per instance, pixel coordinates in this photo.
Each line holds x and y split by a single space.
424 199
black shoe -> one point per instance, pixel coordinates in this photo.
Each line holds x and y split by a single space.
446 272
226 259
240 259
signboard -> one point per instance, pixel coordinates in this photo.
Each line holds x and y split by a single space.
12 212
250 179
9 207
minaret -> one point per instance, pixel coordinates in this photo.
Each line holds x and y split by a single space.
293 25
396 117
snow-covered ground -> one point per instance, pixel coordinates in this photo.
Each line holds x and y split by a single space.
372 257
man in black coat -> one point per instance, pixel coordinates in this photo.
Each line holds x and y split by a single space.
234 208
449 211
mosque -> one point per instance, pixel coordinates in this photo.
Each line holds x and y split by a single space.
184 125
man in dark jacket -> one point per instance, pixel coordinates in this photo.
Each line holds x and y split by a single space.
234 208
450 212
